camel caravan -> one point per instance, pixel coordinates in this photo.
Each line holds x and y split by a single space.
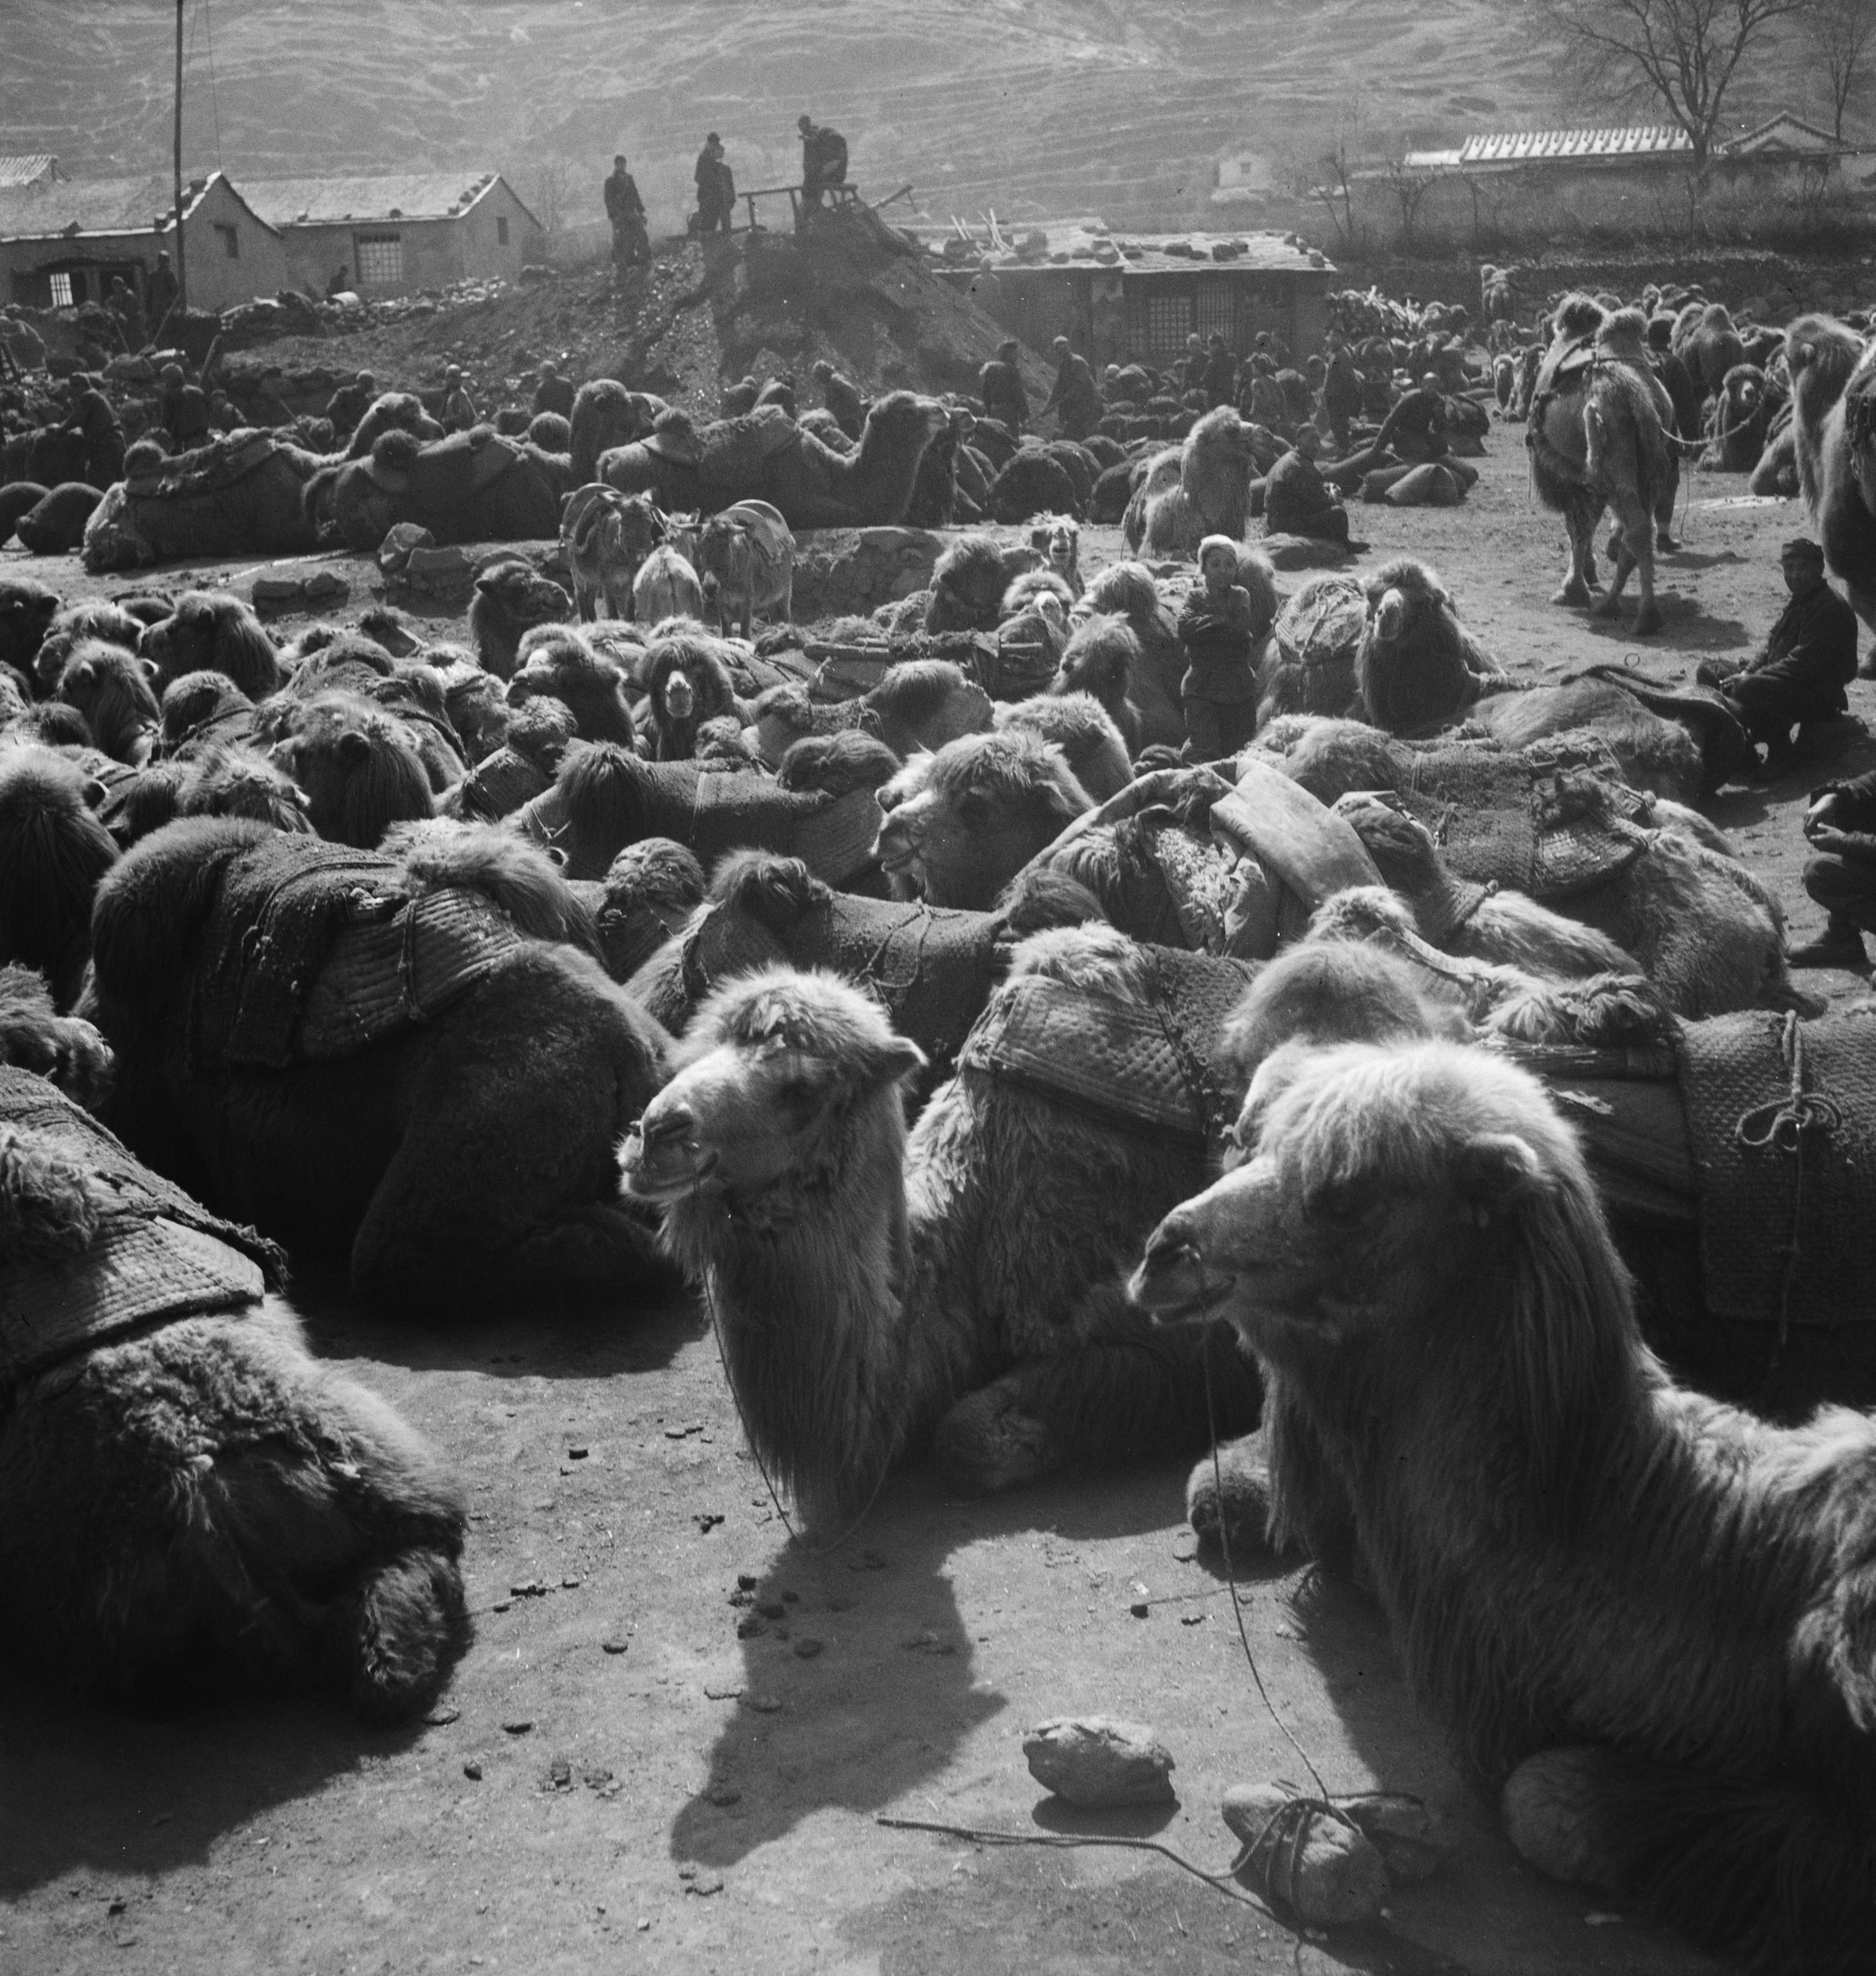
1147 984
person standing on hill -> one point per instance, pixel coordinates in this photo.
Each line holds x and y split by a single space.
716 188
459 411
823 160
1076 399
626 211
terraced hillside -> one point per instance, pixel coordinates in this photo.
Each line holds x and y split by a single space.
1115 107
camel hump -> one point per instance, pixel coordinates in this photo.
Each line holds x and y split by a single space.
733 449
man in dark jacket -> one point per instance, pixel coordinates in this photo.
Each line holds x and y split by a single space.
553 392
1221 371
626 211
350 402
1075 399
823 159
94 418
159 294
716 188
999 384
1799 673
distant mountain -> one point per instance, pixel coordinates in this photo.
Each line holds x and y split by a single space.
1116 107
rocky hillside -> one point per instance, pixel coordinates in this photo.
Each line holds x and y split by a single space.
1118 107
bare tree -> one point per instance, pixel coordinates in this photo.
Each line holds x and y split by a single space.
1682 53
545 187
1409 189
1836 33
1328 181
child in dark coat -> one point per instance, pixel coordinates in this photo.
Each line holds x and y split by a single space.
1220 628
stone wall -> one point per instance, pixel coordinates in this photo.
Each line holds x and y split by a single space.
844 572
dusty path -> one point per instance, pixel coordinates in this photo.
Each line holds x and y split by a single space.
701 1801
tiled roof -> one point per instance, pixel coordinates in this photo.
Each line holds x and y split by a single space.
90 206
327 201
1078 244
1637 140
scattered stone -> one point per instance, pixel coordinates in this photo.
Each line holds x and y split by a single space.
761 1705
614 1643
707 1520
1298 1851
1185 1548
501 1605
702 1883
560 1773
681 1433
742 1598
746 1581
1140 1608
444 1714
570 1585
722 1691
929 1642
772 1608
472 1770
748 1626
519 1726
806 1650
1094 1762
717 1792
1192 1619
576 1454
116 1905
533 1588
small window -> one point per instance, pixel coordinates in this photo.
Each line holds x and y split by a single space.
500 232
231 240
62 291
381 260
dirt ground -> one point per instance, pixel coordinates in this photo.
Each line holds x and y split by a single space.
625 1774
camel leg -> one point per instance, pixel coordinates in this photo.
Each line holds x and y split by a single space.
1579 521
1135 1394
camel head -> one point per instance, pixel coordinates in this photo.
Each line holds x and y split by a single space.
1411 665
1412 1215
1100 658
985 805
26 609
1401 844
773 1071
1403 595
1744 390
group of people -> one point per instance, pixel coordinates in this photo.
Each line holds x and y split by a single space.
824 169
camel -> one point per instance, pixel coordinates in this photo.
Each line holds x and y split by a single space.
364 1079
1705 340
605 415
604 798
27 611
1127 589
1643 1614
246 493
604 538
1703 929
1835 424
983 806
511 598
266 1524
1102 658
1597 440
211 631
1201 487
1090 741
1392 648
745 561
53 852
921 703
875 1293
471 487
765 456
1739 419
969 581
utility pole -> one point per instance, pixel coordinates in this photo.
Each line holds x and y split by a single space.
181 262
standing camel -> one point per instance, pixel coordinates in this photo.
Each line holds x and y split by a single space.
1598 440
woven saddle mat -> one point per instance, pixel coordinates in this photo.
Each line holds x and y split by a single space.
281 907
1146 1068
384 975
212 468
156 1254
1782 1121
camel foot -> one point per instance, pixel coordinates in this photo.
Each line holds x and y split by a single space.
987 1442
1229 1507
1574 593
1648 619
1607 607
1665 542
1551 1806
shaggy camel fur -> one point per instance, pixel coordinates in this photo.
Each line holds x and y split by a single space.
556 662
459 1151
1101 659
210 631
1703 928
1128 588
510 598
26 610
197 1506
108 687
1835 438
1203 488
1738 420
969 581
359 767
920 703
814 486
1091 742
1417 667
605 415
1597 440
1646 1615
872 1294
983 806
53 852
687 681
666 586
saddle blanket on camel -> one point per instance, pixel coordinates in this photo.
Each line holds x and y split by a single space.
1756 1130
313 950
157 1253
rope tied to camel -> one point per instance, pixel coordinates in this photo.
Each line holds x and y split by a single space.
1784 1128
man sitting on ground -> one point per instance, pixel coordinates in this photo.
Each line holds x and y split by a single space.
1799 673
1297 499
